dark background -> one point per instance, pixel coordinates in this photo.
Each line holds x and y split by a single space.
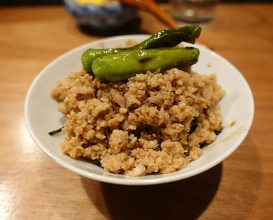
57 2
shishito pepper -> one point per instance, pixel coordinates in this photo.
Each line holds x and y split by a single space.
91 54
165 38
126 64
171 37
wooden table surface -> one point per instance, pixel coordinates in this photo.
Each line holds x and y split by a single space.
32 186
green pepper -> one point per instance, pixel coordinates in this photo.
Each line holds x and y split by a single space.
91 54
171 37
166 38
126 64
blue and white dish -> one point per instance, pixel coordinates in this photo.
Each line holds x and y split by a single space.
102 17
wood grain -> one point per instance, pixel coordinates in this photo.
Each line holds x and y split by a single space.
32 186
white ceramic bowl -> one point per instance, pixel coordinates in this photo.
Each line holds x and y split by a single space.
41 115
104 17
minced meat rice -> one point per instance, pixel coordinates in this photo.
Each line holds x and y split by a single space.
152 123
